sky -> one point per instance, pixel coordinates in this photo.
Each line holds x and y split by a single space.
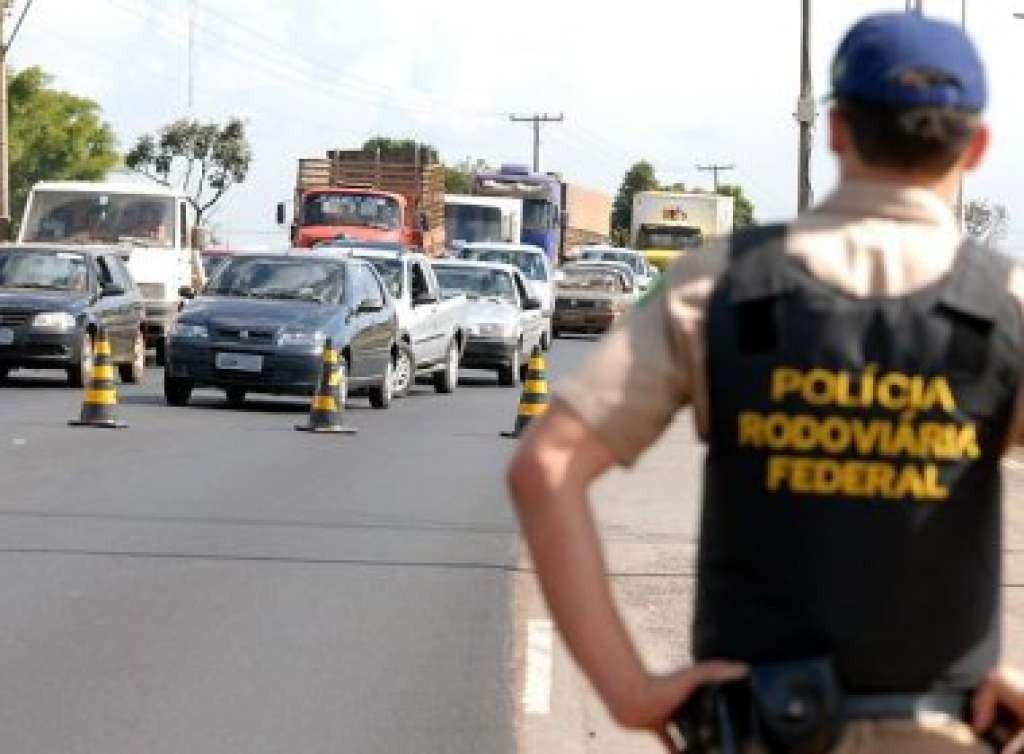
676 83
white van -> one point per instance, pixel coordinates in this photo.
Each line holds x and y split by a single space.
152 225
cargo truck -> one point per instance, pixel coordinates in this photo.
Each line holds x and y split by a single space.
667 223
394 197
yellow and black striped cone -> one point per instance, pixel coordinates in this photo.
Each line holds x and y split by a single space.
100 390
535 394
327 406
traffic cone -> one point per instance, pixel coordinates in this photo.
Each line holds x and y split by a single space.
535 394
325 410
100 391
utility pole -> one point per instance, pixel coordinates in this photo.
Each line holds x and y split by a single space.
192 9
5 168
536 120
805 112
715 169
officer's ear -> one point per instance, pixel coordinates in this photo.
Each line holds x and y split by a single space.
839 141
977 147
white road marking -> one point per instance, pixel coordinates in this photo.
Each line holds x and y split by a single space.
537 688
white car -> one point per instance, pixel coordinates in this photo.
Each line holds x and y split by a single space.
503 321
637 263
535 266
431 336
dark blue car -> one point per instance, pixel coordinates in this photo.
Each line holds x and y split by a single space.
261 324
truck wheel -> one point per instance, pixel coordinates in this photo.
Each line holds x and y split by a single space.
78 374
405 370
132 372
177 391
447 379
161 352
508 375
380 395
235 396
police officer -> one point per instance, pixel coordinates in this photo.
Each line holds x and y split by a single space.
854 375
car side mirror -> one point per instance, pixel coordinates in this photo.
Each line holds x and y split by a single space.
280 213
370 305
424 299
186 291
531 304
112 289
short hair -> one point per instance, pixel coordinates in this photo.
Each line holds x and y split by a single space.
929 139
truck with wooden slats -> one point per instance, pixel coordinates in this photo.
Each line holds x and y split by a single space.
391 197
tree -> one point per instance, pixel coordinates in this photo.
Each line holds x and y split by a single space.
639 177
743 209
389 146
205 160
986 222
458 178
54 135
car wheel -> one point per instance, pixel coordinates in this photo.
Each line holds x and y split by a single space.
380 395
405 370
555 334
131 373
177 390
4 371
447 379
78 374
235 396
508 375
161 352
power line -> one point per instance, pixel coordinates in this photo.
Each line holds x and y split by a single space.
536 120
715 169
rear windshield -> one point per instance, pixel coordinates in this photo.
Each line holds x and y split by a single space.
530 263
476 282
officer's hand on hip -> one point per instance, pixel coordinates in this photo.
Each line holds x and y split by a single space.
661 695
1003 688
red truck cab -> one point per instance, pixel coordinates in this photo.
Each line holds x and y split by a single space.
356 213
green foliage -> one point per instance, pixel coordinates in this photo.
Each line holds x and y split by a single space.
54 135
458 178
400 148
204 159
640 177
743 208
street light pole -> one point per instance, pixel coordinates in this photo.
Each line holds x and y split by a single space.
805 112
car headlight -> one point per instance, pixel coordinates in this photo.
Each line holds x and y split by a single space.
53 321
302 338
189 330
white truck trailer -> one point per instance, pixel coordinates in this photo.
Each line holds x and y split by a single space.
667 223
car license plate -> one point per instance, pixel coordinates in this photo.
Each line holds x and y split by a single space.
240 362
6 336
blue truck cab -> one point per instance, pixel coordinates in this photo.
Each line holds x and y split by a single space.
542 203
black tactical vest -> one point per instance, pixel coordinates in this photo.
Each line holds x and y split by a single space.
852 482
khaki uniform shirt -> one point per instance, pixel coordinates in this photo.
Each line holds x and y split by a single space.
867 239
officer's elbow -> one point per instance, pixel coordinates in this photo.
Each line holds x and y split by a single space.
525 477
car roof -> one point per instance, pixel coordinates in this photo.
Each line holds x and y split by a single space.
606 249
372 253
473 263
310 255
55 248
597 264
503 246
112 187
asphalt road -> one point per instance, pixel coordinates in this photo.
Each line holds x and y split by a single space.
210 580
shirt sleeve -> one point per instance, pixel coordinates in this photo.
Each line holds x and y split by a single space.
1016 436
651 363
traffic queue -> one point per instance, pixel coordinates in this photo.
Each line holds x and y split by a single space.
262 321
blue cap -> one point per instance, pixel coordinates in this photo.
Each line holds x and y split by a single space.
907 60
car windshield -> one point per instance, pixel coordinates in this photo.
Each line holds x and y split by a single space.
306 279
94 217
365 210
537 214
531 264
466 222
633 260
476 282
604 281
214 263
390 271
47 271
